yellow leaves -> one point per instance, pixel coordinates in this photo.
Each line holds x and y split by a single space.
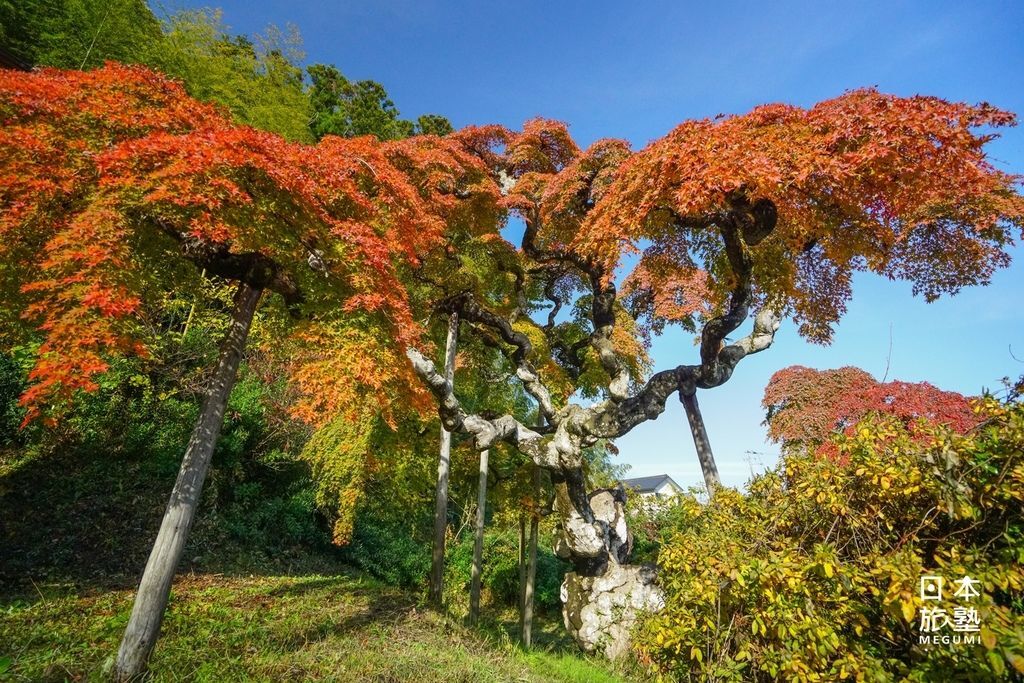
822 588
988 638
908 609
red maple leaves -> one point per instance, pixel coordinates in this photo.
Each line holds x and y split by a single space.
807 406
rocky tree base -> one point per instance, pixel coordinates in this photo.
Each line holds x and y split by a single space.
604 597
600 611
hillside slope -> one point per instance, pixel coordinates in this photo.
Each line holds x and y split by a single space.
275 628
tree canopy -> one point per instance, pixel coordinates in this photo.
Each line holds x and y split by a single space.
806 406
114 177
347 108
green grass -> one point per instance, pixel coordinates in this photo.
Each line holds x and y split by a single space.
278 628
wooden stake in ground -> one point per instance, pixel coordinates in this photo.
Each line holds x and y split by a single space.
155 588
478 544
522 570
531 569
701 441
436 592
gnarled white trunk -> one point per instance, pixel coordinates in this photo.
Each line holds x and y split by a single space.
604 595
154 590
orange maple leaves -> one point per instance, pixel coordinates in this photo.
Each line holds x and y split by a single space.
110 178
900 186
99 168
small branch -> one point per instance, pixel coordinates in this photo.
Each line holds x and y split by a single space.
888 356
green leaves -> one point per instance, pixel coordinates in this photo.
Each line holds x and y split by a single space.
353 108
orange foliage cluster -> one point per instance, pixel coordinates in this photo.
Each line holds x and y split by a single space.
807 406
96 164
900 186
98 167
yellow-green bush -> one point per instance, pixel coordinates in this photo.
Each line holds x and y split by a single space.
814 574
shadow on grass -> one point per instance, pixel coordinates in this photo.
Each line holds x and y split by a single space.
90 519
382 610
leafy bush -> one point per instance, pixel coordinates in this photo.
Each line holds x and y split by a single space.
12 383
500 580
654 526
389 550
98 480
814 575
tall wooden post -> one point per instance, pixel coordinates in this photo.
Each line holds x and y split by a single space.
147 615
531 569
478 545
701 441
436 591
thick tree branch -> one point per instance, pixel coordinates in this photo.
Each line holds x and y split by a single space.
745 224
253 268
602 314
471 311
610 420
555 451
602 306
602 289
485 433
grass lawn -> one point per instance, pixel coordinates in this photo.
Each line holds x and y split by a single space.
278 628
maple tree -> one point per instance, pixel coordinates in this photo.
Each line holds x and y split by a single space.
117 186
806 406
769 212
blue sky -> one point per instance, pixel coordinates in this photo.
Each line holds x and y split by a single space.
634 72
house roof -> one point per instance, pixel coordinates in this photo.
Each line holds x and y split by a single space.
649 484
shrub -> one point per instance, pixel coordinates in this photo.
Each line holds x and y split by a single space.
12 383
500 580
389 550
82 497
814 574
